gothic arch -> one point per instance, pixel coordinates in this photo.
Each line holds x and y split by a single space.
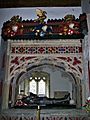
57 64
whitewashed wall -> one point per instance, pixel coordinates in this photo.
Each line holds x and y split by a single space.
59 79
85 6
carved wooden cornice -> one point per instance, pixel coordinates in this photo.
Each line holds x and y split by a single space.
66 28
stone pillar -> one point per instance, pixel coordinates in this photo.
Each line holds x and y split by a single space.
85 77
86 9
88 20
13 93
6 82
5 95
74 89
79 96
83 93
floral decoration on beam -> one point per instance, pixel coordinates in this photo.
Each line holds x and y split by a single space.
67 27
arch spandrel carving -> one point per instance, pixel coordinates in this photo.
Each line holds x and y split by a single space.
57 52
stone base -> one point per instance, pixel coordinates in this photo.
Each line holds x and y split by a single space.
45 114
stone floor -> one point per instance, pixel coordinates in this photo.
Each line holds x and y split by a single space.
45 114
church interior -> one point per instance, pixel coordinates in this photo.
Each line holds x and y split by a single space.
44 65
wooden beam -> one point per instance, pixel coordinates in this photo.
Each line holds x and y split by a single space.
38 3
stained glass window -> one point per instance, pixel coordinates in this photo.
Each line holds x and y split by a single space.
41 88
37 84
33 86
